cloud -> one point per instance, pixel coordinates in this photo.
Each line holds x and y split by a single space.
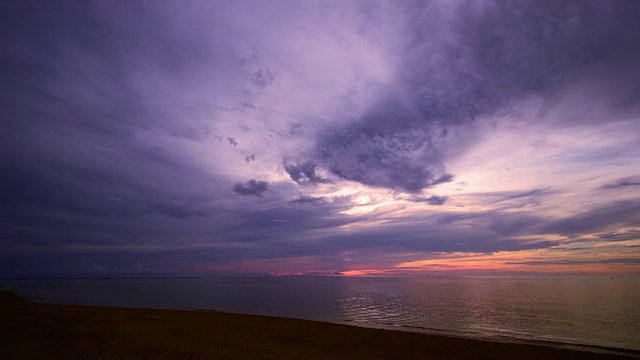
518 53
471 62
384 150
251 188
514 199
262 77
610 216
621 236
519 194
622 183
432 200
577 262
305 173
310 200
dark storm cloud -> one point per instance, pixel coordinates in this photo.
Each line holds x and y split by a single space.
475 61
304 173
251 188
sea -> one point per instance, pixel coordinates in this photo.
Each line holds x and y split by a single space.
580 311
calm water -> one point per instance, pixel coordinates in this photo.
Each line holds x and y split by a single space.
579 310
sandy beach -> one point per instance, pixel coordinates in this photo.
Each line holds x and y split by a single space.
41 331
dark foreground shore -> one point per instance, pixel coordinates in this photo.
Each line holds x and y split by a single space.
37 331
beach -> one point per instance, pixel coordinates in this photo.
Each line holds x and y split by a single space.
44 331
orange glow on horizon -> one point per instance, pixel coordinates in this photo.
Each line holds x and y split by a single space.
595 258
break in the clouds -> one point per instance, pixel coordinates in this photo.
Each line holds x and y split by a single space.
359 137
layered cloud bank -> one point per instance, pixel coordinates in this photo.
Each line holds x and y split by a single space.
320 137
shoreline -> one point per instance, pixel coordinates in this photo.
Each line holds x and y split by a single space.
602 349
32 330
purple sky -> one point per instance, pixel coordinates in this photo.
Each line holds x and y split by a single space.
319 137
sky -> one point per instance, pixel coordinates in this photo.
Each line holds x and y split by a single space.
319 137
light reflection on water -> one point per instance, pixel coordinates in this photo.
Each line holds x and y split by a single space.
595 311
582 310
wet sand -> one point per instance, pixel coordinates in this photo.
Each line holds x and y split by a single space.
39 331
